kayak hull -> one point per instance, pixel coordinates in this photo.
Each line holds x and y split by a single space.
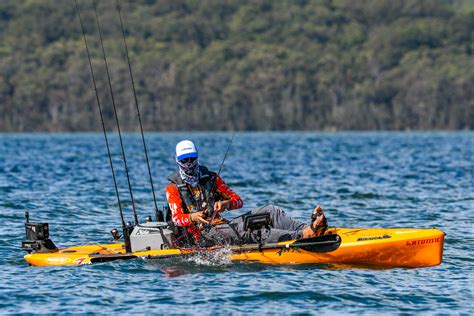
411 248
376 247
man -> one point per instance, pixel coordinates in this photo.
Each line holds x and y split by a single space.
196 196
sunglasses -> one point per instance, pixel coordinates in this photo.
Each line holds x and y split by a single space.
189 159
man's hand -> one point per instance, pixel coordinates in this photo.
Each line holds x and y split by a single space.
198 217
221 206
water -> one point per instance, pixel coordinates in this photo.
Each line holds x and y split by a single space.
360 179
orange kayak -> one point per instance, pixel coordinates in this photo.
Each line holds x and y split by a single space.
368 247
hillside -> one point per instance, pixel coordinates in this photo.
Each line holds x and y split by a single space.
241 65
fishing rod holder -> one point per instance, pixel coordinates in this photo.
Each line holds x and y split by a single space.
127 230
160 215
165 214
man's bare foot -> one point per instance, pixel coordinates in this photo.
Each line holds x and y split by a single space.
318 225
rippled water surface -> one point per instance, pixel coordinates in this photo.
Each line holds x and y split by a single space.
360 179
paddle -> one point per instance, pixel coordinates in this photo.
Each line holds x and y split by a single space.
325 243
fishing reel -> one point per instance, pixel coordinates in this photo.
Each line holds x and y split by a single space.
209 212
115 234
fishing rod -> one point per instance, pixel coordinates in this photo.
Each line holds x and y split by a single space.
214 213
101 116
115 112
136 105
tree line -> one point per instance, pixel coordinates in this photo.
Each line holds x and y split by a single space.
241 65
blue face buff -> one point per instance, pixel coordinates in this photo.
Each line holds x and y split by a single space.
189 171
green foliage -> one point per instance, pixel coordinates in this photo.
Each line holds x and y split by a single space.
246 65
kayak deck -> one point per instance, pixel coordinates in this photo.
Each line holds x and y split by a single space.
383 247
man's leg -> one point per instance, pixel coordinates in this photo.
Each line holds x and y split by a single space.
283 228
225 234
234 235
279 218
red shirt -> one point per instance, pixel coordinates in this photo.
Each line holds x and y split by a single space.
181 217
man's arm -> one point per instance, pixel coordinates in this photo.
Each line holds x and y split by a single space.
231 200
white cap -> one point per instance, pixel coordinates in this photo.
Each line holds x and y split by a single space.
186 149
